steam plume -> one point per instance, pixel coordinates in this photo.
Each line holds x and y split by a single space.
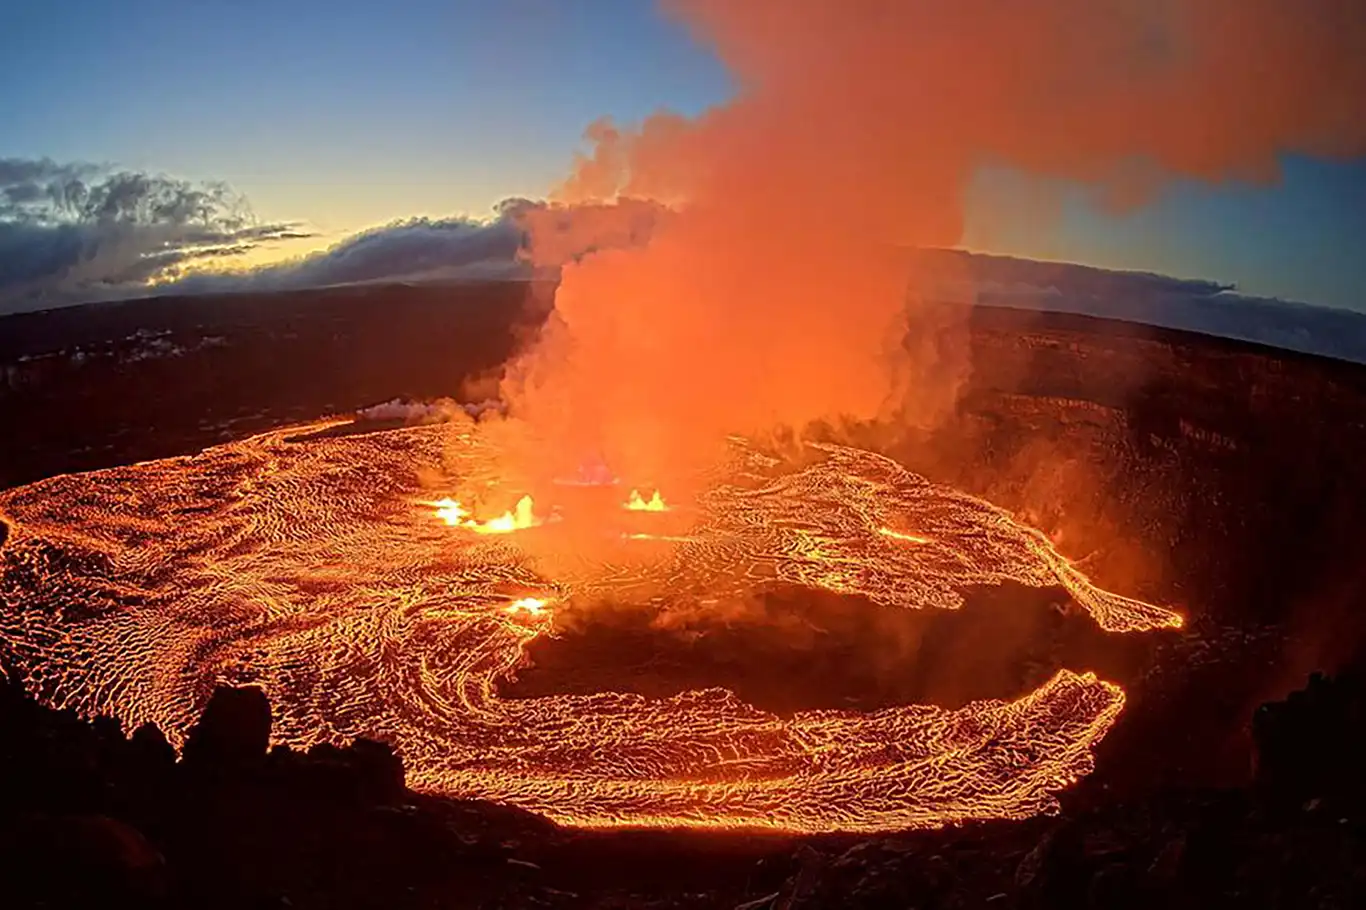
778 292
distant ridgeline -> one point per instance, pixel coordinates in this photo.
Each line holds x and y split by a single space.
943 276
1175 303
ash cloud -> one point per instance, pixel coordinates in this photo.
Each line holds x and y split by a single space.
770 296
79 231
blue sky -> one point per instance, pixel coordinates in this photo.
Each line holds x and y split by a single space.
343 113
348 114
1301 238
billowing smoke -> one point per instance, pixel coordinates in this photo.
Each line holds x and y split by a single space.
71 232
411 413
779 293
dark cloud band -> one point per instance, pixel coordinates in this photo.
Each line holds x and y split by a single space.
78 231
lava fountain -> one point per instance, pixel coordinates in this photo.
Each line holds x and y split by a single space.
315 567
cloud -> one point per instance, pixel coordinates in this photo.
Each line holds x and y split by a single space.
461 248
72 231
1191 305
75 232
421 249
954 276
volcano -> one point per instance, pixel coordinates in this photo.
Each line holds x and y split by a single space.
1117 470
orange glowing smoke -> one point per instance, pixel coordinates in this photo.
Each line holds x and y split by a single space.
780 291
132 591
638 503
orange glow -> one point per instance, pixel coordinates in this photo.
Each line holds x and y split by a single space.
533 606
638 503
451 512
781 287
900 535
257 558
521 518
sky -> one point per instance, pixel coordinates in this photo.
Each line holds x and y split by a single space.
345 115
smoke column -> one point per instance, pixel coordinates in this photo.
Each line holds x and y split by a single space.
780 290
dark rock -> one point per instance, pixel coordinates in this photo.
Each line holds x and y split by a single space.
364 773
233 732
150 749
1029 870
1313 744
1113 888
882 873
86 818
802 886
1166 866
81 861
108 729
1055 873
381 771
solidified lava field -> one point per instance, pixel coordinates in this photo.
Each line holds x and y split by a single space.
313 564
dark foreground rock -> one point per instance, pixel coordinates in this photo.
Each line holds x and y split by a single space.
90 817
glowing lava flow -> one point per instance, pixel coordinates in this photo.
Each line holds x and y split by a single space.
638 503
532 606
519 519
305 567
902 535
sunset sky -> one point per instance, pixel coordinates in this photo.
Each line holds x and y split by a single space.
346 115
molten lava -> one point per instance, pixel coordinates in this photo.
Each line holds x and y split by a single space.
304 567
902 535
518 519
638 503
532 606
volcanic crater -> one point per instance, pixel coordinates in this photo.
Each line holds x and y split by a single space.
1141 454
